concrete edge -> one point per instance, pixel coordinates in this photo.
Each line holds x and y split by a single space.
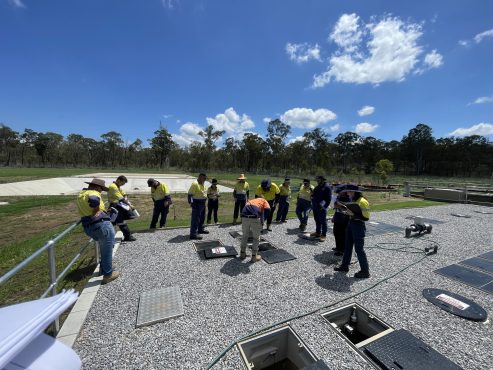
73 323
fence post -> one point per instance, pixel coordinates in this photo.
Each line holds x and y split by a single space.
52 271
407 189
96 252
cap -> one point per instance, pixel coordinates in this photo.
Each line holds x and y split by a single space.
202 174
320 177
150 182
214 181
98 182
265 183
287 179
306 181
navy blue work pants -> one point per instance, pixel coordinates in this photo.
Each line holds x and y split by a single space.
212 206
303 209
283 209
198 217
355 234
320 216
159 210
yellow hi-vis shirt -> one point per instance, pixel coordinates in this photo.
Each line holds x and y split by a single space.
365 208
305 193
84 200
285 190
160 192
212 193
197 191
268 195
241 188
115 193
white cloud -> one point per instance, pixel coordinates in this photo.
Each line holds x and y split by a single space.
480 36
464 43
169 4
484 129
335 127
347 33
433 59
267 119
377 52
297 138
302 53
17 3
231 122
483 100
366 110
365 128
307 117
189 132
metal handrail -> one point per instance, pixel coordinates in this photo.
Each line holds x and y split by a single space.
54 279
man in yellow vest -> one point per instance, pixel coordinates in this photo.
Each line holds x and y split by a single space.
241 193
270 192
197 195
304 203
162 200
97 225
119 200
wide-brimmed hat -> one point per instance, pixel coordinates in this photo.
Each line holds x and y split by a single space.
351 187
242 177
320 177
98 182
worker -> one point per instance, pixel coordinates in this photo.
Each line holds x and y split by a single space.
97 225
355 232
197 195
284 197
252 219
119 200
270 192
340 219
162 200
241 193
304 203
212 201
321 198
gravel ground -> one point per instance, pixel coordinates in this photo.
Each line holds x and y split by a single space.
225 299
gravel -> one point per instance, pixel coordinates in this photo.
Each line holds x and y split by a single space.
226 299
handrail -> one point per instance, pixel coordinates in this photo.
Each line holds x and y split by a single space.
54 279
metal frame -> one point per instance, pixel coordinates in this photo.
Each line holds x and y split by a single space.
54 278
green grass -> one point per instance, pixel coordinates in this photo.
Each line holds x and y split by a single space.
20 205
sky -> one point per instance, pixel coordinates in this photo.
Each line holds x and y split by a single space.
377 68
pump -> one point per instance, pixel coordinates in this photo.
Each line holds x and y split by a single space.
419 226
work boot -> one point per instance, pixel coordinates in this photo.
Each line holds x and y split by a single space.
315 235
130 238
242 255
341 268
256 258
303 227
203 232
109 278
338 253
234 221
269 228
362 275
195 237
322 238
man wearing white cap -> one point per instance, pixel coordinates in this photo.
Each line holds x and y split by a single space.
241 193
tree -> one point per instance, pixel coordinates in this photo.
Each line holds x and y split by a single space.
277 132
254 150
8 141
113 143
27 139
210 137
46 145
383 168
319 148
418 144
347 141
162 144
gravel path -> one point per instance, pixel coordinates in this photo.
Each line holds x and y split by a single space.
225 299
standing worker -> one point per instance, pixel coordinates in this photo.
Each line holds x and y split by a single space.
162 200
304 203
212 201
284 197
197 195
270 192
252 219
340 220
321 197
241 193
119 200
97 225
355 232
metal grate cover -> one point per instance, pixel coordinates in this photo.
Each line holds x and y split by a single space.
487 255
468 276
402 350
379 228
479 263
276 256
223 251
159 305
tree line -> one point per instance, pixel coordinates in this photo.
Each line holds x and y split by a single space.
418 153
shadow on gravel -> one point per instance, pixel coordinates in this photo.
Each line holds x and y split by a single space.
293 231
337 282
327 258
179 239
235 267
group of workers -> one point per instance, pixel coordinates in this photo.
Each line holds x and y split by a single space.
349 224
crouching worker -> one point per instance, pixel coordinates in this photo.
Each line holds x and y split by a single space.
304 203
252 220
118 200
162 200
355 232
97 225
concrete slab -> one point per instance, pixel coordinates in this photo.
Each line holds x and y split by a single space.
137 183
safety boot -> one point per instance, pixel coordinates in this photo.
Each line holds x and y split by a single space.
362 275
315 235
322 238
256 258
109 278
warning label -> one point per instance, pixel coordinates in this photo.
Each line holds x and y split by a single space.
219 250
452 301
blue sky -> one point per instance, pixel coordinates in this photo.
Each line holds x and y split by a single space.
373 67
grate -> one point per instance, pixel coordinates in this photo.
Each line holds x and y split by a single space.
276 256
206 244
218 252
479 263
159 305
487 256
263 246
468 276
379 228
402 350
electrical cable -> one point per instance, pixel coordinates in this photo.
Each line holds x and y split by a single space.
378 246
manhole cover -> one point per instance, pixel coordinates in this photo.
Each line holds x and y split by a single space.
276 256
455 304
218 252
159 305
